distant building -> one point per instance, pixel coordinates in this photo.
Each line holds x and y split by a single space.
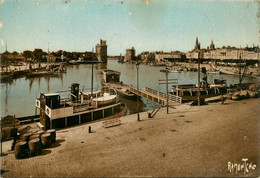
51 58
212 46
224 53
101 51
130 54
197 45
161 55
14 57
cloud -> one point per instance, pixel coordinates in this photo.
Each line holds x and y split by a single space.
1 25
1 1
2 42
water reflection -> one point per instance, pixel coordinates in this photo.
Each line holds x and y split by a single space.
19 94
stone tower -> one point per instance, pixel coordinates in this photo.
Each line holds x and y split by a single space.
130 54
101 51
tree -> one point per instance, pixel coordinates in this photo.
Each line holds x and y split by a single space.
15 53
151 57
28 54
37 53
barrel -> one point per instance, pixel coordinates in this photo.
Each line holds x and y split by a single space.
235 96
33 136
26 137
229 95
53 135
46 140
20 150
35 146
252 94
40 132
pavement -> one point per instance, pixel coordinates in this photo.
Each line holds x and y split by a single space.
189 141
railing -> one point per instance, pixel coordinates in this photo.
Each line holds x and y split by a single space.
158 95
163 95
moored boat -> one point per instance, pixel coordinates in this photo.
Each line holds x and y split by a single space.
111 79
81 107
190 92
6 76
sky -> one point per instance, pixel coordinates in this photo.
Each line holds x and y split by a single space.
147 25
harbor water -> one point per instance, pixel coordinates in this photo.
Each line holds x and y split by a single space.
18 95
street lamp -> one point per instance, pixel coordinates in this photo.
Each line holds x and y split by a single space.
166 71
137 102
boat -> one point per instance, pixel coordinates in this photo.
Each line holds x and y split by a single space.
6 76
74 62
218 83
40 73
57 111
213 72
189 92
106 99
111 79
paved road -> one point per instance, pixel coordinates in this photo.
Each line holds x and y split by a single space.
190 141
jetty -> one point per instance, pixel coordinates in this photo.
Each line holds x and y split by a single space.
111 79
156 96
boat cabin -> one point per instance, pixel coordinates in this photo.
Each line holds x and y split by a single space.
111 76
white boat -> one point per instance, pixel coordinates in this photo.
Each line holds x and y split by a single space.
214 72
106 99
218 84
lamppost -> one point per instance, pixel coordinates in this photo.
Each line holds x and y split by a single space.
137 102
199 78
166 71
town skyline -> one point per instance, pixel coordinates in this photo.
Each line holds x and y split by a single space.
145 25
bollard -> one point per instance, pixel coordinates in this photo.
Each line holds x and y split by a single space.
40 132
35 146
20 150
46 140
89 129
33 136
53 135
26 137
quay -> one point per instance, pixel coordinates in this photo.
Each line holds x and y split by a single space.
189 141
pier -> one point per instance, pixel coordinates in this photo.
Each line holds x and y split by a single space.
156 96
